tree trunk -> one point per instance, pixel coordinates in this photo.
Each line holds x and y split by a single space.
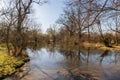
7 40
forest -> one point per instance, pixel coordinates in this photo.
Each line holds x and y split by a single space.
88 24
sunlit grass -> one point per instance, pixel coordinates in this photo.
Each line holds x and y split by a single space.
8 63
93 46
100 46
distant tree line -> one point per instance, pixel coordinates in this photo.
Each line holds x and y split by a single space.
90 21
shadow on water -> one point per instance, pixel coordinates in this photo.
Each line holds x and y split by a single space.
103 55
112 69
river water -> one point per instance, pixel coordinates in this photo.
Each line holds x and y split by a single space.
47 64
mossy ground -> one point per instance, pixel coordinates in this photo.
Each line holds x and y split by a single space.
8 64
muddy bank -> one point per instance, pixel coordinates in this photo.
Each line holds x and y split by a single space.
21 72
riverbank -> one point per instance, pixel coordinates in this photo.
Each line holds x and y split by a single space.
87 46
8 64
100 46
46 64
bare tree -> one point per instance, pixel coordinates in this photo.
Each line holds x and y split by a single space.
82 15
17 13
52 33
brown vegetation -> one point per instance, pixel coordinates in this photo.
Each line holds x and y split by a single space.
89 23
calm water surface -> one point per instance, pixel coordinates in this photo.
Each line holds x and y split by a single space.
45 64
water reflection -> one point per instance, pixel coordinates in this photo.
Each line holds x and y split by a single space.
46 59
103 55
49 58
107 61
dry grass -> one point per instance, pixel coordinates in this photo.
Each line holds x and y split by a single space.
100 46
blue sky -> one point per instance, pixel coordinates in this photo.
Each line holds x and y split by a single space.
48 13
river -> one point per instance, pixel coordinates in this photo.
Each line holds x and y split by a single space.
47 64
